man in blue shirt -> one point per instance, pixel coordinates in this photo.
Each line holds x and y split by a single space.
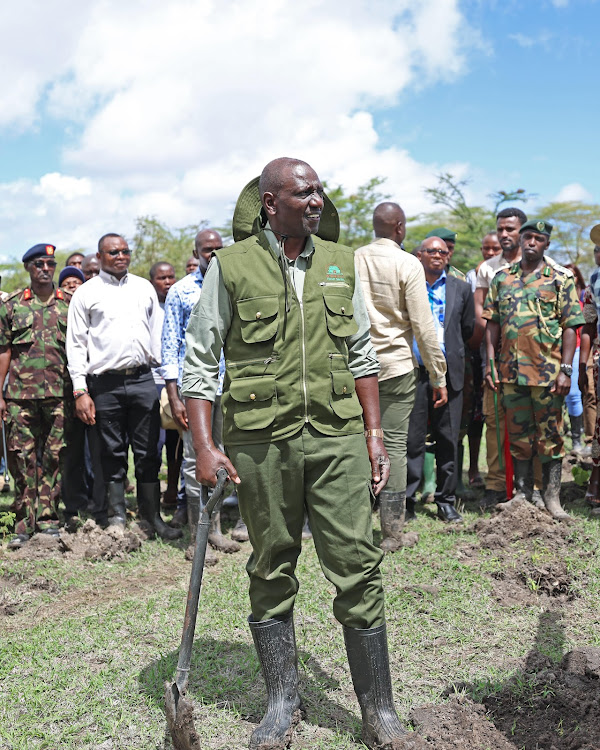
179 304
451 302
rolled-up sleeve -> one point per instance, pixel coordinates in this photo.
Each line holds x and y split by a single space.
206 331
362 359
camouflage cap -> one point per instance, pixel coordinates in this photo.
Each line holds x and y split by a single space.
444 234
537 225
595 234
249 217
37 251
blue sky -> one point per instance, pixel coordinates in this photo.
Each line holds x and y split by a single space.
169 109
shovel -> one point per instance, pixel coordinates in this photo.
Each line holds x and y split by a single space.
179 710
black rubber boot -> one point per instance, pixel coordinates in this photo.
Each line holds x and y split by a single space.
523 484
115 498
148 494
369 665
551 473
391 510
275 644
576 431
410 514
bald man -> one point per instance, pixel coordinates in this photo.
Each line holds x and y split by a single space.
396 296
302 430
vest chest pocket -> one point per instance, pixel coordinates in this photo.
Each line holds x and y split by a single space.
344 400
339 313
259 318
255 402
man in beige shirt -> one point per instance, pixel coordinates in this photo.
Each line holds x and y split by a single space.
396 297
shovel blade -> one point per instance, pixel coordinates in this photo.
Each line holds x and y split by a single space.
180 718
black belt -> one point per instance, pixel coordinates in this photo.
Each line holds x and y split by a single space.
129 371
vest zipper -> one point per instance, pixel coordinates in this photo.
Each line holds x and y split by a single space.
303 362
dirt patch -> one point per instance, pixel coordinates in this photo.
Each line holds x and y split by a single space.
89 543
529 549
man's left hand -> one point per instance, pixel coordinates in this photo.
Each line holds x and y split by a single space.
380 463
562 385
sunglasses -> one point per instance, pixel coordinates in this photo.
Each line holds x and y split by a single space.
114 253
44 263
434 251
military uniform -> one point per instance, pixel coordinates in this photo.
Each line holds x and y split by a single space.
35 332
532 310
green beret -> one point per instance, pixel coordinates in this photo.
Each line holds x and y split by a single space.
443 234
537 225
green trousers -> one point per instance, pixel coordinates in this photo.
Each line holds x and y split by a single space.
396 401
329 477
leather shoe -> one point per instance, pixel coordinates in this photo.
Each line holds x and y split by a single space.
18 540
180 518
447 512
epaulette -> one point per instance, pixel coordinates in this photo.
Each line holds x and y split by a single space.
14 294
27 294
514 268
59 294
557 267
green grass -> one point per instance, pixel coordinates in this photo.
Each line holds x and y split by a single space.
84 657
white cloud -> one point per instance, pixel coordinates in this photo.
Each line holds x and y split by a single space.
574 192
560 3
176 105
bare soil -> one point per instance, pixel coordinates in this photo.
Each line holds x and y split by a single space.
90 542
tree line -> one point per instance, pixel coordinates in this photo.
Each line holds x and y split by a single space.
153 240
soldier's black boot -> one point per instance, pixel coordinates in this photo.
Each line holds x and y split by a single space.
523 484
551 473
115 499
576 431
369 665
391 510
148 494
275 644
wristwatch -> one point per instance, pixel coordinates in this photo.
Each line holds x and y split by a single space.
567 370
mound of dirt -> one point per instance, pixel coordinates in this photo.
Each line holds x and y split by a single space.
529 547
90 542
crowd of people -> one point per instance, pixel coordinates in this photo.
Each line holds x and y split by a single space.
326 381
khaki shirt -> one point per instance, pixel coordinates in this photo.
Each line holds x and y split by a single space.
395 293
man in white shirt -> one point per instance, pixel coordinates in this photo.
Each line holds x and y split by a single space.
113 340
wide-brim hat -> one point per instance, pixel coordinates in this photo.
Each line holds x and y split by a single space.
595 234
249 216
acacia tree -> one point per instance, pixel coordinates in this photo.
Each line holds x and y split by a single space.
154 241
572 221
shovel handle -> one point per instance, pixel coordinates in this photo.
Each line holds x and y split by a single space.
191 608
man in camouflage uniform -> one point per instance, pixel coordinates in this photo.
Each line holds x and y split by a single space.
33 324
534 306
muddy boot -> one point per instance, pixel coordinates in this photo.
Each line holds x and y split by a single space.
369 666
523 485
180 518
275 644
551 472
391 511
576 431
148 506
115 498
217 539
169 499
193 514
240 531
592 494
429 478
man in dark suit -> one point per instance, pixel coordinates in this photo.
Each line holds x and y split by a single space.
451 302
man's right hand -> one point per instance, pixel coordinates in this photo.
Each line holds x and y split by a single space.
489 381
440 397
178 410
85 409
208 462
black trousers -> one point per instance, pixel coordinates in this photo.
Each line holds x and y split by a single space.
444 426
127 414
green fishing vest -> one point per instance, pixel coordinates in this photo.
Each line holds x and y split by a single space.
288 367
